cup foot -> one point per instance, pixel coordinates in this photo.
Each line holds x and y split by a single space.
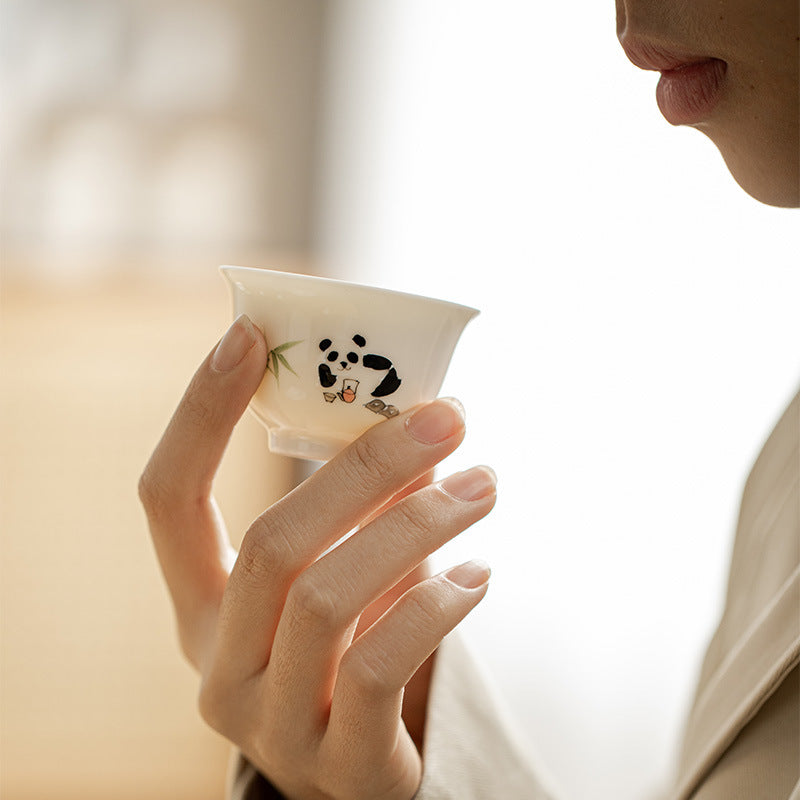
303 444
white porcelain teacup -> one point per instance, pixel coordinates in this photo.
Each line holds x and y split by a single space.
342 356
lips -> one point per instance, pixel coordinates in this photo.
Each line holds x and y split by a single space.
690 86
688 94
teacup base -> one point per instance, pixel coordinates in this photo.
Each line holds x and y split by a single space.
299 443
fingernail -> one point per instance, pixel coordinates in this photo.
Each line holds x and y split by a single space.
436 421
473 484
471 575
235 345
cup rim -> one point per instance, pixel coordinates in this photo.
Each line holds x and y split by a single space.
337 283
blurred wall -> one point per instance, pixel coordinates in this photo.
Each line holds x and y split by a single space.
143 144
95 698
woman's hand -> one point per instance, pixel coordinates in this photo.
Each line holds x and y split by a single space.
311 697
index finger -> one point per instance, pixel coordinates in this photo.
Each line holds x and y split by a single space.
175 487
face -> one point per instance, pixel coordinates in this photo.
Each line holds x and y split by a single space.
730 68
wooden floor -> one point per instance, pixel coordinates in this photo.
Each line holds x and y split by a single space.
96 701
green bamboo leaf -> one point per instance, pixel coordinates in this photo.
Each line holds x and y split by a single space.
285 363
280 348
275 358
272 364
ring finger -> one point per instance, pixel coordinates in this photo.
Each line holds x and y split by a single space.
326 601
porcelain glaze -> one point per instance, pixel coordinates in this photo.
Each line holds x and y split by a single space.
342 356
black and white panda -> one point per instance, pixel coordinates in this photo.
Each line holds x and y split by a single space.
338 366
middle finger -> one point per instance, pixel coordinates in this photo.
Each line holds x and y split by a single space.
293 533
326 601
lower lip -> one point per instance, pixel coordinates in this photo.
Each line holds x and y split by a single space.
688 94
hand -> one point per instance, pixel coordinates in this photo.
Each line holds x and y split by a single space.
310 697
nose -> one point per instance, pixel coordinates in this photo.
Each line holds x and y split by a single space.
622 18
343 363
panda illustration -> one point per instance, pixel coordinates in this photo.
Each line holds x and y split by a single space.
339 364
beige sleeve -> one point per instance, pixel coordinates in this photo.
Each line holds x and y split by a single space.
471 751
764 759
246 783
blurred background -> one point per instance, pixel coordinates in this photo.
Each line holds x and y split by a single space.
637 342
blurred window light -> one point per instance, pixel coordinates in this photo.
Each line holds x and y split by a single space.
55 53
208 189
131 126
91 186
185 57
637 341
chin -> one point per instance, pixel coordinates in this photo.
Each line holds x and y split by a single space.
772 190
779 197
771 175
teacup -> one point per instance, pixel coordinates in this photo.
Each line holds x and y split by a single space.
342 356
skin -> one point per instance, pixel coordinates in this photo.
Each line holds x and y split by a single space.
362 620
756 124
318 666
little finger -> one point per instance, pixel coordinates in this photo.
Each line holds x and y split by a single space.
375 669
327 599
